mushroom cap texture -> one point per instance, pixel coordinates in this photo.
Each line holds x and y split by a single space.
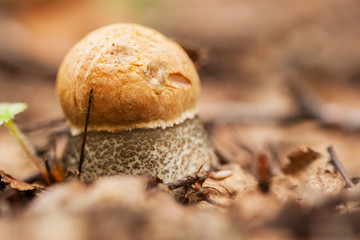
140 79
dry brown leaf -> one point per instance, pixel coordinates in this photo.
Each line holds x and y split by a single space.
300 159
14 183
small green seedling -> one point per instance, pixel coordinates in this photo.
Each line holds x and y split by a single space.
7 113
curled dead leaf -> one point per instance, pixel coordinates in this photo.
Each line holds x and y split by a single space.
14 183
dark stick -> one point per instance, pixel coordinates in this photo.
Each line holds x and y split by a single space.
54 152
84 136
338 165
47 166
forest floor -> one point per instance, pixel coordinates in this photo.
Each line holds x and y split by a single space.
280 101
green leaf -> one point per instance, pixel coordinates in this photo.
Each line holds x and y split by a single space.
9 110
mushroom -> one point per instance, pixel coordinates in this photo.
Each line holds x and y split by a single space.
143 114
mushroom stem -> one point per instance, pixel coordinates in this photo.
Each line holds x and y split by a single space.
169 153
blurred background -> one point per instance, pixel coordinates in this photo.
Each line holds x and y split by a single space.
248 53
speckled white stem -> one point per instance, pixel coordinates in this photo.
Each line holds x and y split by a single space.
169 153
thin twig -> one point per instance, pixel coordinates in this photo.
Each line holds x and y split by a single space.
315 107
338 165
85 131
39 125
185 181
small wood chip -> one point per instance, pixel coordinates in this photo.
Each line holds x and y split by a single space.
220 175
